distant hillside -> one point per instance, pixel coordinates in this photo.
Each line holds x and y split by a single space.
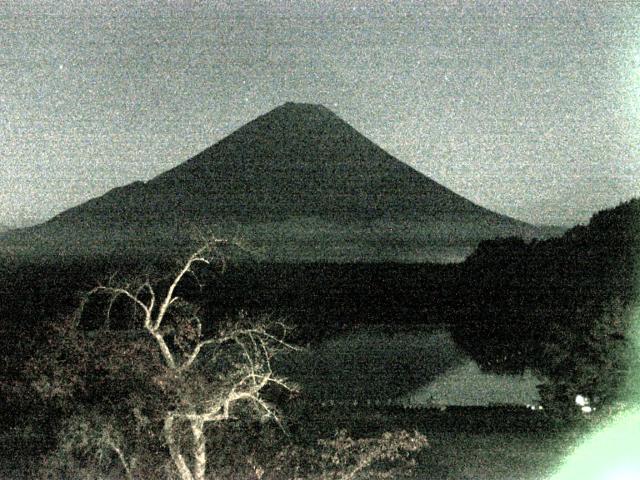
524 294
608 247
299 184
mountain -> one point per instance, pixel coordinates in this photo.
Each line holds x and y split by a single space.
299 184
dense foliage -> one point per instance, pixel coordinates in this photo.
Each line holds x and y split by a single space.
562 307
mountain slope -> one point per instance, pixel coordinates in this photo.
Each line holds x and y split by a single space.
298 182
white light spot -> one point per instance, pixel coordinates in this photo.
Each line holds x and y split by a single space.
581 400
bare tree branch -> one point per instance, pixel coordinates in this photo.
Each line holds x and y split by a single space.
195 258
123 461
248 348
116 292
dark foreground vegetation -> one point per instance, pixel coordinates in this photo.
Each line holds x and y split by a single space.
96 388
481 443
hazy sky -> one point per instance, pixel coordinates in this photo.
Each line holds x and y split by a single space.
530 108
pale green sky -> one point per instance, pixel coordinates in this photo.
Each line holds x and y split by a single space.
531 109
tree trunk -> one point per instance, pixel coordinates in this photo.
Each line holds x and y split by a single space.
199 449
174 450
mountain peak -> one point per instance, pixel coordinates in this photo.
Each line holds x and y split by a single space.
302 182
303 106
295 113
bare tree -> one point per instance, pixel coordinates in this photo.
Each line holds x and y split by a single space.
126 392
204 372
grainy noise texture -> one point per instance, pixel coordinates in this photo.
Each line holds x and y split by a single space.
526 108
